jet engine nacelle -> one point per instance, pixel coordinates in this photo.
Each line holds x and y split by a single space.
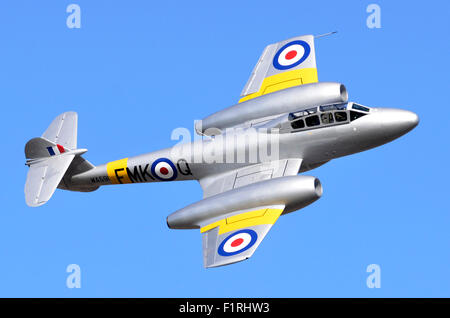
284 101
295 192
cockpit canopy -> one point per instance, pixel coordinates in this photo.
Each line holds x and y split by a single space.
325 115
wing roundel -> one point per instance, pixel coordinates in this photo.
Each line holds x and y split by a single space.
236 237
282 65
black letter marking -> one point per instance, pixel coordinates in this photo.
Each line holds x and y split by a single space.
134 176
186 171
117 176
144 172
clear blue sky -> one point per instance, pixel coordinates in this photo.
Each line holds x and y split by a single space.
138 69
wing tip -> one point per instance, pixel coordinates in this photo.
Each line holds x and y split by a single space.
35 204
225 263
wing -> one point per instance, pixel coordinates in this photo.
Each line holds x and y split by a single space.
284 64
216 184
236 235
43 178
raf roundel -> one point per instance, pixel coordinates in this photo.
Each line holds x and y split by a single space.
237 242
163 169
291 55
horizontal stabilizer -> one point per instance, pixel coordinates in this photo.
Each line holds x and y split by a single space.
43 178
41 148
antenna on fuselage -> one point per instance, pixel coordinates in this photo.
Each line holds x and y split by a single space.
325 34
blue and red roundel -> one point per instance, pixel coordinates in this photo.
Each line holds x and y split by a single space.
163 169
237 242
291 55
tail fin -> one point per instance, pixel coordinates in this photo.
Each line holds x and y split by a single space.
63 130
49 158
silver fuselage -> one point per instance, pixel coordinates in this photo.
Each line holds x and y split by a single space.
315 146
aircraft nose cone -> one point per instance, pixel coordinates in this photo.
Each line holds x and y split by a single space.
410 119
397 122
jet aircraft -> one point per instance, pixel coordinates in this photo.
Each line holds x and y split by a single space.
313 122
